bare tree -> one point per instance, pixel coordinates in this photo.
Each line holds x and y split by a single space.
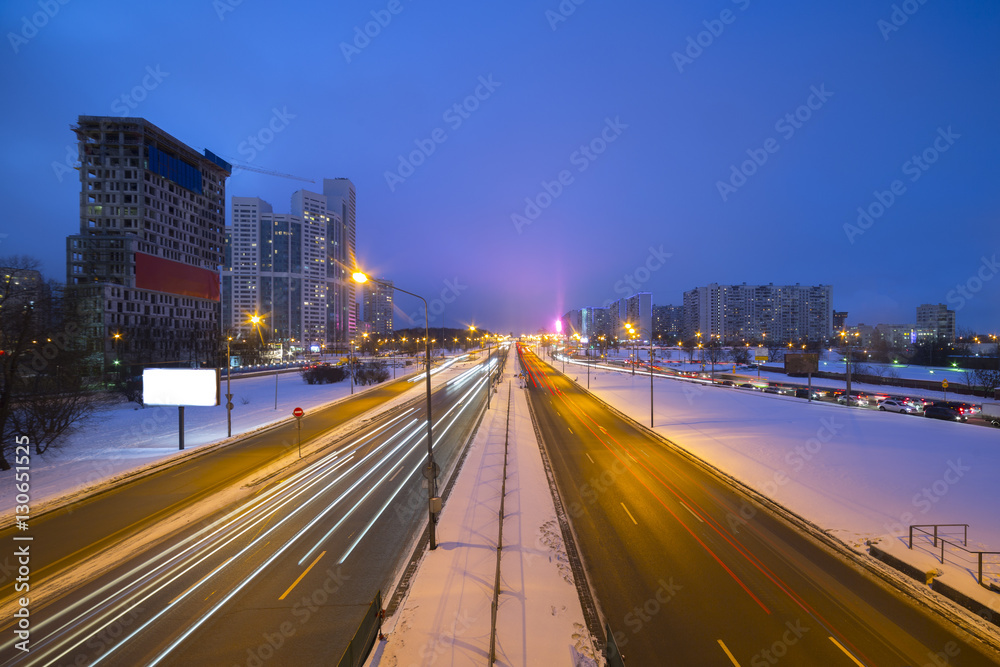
43 393
740 355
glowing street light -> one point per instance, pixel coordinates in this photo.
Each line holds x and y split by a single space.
433 502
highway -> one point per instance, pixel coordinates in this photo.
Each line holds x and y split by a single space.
687 570
285 575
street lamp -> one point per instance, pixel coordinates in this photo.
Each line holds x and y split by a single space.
635 333
433 503
229 393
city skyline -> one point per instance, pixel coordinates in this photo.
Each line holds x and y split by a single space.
507 185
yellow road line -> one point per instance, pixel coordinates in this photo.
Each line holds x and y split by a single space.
304 573
846 652
629 514
730 655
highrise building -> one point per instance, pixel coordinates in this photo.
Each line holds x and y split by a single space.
292 269
377 296
936 322
341 256
668 322
637 310
276 268
759 313
145 264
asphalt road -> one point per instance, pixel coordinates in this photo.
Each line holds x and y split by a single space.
284 576
687 571
96 523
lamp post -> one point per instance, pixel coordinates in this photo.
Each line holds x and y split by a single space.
229 393
634 335
433 503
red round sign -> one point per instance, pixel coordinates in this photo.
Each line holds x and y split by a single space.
298 412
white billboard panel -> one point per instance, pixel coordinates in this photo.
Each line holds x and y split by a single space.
180 386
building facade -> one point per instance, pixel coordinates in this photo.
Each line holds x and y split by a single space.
145 263
668 322
341 261
377 296
759 313
290 270
936 323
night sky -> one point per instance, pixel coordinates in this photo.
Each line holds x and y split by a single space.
621 124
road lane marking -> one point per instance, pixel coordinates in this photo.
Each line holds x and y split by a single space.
847 653
730 655
692 512
569 429
397 472
591 460
193 586
629 514
304 573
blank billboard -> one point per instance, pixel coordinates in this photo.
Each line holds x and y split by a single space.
180 386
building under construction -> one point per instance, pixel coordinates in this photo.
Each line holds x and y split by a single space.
144 267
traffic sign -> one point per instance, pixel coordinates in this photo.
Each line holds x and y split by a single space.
944 384
298 412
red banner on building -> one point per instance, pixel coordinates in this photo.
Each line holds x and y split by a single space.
166 275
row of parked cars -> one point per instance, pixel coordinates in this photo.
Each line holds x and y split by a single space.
949 410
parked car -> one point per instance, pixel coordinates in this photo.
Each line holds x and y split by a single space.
854 399
944 412
991 413
965 409
916 403
892 405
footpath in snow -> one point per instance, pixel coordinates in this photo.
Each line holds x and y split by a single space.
445 617
862 476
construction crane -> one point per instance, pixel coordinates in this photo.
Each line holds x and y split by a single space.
268 172
245 167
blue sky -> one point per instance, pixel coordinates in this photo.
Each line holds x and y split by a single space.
621 122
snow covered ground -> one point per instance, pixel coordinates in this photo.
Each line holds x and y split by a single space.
858 474
445 618
123 437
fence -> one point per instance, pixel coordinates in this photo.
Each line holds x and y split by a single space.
963 546
364 639
496 580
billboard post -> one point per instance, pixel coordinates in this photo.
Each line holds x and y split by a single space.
180 387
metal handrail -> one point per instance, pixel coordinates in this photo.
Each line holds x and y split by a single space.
963 546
